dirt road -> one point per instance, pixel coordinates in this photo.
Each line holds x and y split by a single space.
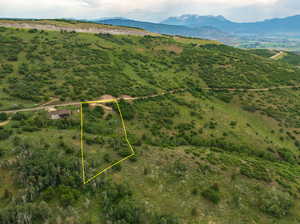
4 123
278 55
252 90
147 97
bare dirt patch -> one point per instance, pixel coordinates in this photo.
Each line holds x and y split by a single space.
95 28
173 48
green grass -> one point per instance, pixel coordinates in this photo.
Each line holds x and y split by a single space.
201 156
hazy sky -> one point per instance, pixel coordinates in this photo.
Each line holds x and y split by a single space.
150 10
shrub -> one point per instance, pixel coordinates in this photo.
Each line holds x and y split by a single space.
127 110
117 167
256 171
178 168
18 116
249 108
3 117
4 134
107 158
127 211
287 155
32 31
6 69
275 203
212 194
233 123
165 219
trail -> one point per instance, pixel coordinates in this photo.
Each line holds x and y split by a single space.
252 90
278 55
151 96
4 123
49 102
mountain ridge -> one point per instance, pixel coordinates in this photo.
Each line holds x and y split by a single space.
275 25
206 32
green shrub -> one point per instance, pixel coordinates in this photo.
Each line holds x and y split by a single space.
3 117
117 167
18 116
5 133
107 158
249 108
212 194
287 155
165 219
256 171
126 109
275 203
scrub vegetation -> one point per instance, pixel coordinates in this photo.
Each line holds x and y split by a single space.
202 156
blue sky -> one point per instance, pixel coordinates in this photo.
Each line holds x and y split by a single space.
149 10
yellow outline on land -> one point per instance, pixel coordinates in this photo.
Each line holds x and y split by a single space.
81 140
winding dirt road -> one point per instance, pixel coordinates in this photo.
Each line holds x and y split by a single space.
147 97
278 55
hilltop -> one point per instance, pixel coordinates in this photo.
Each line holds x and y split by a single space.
206 32
215 129
71 25
278 34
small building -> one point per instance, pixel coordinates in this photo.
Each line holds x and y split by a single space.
59 114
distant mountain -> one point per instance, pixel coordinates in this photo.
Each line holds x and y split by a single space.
206 32
196 20
282 25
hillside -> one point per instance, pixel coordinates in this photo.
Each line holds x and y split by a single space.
71 25
215 130
292 58
200 32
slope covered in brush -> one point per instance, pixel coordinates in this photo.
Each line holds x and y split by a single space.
37 65
202 155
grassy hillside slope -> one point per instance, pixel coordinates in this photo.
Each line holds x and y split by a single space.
202 156
292 58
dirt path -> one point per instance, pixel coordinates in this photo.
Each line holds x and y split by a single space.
278 56
252 90
150 96
4 123
49 102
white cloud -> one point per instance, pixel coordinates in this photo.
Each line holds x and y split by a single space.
137 9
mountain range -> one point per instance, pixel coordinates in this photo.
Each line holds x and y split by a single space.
277 25
206 32
215 27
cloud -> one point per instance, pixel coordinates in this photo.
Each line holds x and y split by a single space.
154 10
254 12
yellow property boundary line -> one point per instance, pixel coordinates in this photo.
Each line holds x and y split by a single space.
85 181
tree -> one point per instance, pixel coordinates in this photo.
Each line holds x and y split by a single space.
18 116
275 203
3 117
212 194
126 109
